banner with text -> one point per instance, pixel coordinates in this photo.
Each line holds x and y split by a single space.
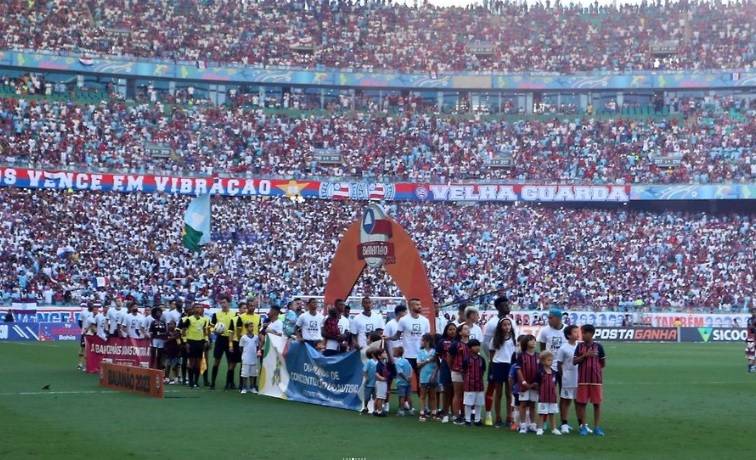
296 371
148 382
365 190
116 350
713 334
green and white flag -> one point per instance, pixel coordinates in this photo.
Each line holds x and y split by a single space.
196 231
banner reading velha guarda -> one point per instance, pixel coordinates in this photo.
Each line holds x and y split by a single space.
196 232
297 372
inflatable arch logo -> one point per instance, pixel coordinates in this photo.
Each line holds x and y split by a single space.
377 240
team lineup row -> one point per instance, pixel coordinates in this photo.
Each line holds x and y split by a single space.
447 368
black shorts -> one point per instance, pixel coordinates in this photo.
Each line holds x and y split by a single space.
413 363
82 341
221 347
498 372
234 356
196 348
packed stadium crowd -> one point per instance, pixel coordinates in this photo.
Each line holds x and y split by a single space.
505 36
711 143
59 246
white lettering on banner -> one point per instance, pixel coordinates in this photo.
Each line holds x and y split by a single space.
487 192
456 192
546 193
3 332
174 184
618 194
582 193
161 183
470 194
506 193
34 177
217 188
564 194
82 181
440 192
118 183
134 183
9 176
264 187
186 186
599 194
232 187
200 187
249 187
529 193
96 181
65 180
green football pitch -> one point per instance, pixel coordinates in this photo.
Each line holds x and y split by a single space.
661 401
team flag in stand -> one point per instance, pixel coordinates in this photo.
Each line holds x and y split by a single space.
196 231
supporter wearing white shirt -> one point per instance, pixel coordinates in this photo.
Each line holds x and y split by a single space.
412 327
309 324
551 336
392 327
365 323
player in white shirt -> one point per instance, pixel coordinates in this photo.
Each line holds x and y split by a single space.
333 344
440 320
101 323
147 320
472 316
365 323
116 318
273 325
569 373
87 323
392 327
133 323
249 344
172 314
551 336
412 327
309 324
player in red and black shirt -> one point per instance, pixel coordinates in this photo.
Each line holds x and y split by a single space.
590 360
751 342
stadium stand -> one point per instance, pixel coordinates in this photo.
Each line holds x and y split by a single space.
703 143
373 35
55 244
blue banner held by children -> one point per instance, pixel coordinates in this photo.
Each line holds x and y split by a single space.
324 380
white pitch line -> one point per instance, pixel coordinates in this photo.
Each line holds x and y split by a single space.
89 392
